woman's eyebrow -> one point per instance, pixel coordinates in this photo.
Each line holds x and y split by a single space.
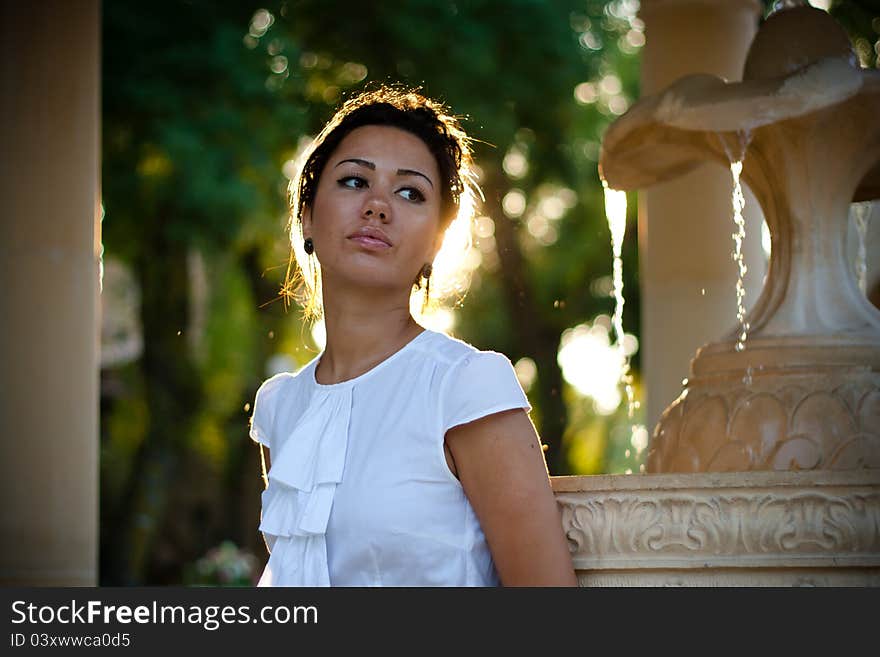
413 172
372 166
355 160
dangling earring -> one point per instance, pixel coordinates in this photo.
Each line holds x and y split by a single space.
426 274
309 246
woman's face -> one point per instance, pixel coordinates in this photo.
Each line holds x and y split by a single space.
375 218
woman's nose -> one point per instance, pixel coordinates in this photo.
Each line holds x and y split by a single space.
376 207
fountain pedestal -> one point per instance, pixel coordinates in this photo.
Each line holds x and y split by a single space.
723 529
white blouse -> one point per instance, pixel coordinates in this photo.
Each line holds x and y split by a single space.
359 491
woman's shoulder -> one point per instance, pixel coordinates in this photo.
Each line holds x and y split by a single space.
446 348
285 382
454 351
474 383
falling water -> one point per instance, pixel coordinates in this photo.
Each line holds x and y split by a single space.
861 213
615 211
739 201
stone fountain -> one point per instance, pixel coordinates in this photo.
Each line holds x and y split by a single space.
766 469
804 393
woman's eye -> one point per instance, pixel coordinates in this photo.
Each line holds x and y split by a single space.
354 182
412 194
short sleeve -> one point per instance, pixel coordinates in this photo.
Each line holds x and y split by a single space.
478 385
265 404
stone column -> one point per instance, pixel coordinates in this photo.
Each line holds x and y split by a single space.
687 275
50 127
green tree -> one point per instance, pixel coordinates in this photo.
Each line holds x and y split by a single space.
190 143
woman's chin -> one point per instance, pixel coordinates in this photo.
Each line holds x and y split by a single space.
369 281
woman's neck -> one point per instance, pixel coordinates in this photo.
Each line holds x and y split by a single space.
362 331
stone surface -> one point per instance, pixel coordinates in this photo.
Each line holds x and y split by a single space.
788 416
816 528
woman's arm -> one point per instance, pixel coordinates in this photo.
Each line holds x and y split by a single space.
501 466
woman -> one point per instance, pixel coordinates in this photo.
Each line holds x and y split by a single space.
399 456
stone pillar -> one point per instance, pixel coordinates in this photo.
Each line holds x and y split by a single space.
50 127
687 275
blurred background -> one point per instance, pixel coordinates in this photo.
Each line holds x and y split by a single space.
205 108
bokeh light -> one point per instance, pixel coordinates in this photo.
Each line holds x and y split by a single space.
592 365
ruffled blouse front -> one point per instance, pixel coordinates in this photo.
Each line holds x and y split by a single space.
359 492
302 482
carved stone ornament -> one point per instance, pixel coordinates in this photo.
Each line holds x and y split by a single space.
804 393
754 529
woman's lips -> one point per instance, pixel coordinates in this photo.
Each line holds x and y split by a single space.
371 243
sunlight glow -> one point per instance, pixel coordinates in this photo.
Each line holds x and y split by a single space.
261 21
319 334
484 227
279 64
585 93
297 161
514 203
515 163
639 439
589 40
610 84
454 264
433 318
635 38
526 372
592 365
618 105
352 72
550 205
